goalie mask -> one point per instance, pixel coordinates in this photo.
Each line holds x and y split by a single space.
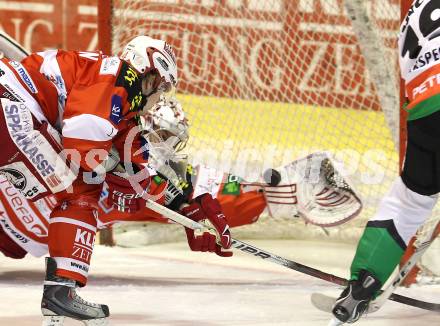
165 129
155 61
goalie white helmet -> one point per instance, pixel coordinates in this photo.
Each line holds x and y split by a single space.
156 62
165 128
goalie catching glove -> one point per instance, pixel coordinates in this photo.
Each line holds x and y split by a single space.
216 236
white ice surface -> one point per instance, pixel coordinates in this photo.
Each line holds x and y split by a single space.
168 285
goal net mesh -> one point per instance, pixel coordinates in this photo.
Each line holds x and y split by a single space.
266 82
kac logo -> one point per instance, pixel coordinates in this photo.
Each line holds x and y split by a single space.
116 109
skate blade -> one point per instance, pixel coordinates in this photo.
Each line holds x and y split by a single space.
335 322
59 321
96 322
53 321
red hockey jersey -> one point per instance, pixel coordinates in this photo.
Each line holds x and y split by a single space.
98 97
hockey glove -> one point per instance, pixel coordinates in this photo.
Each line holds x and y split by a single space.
125 197
176 196
216 236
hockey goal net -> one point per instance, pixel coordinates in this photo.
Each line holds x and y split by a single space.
266 82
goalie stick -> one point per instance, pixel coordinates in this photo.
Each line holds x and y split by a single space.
11 48
262 254
325 303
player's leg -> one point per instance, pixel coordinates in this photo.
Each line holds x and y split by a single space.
71 239
402 211
9 248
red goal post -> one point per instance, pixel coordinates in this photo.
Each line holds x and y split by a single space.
266 82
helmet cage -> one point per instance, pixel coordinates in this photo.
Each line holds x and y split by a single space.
165 129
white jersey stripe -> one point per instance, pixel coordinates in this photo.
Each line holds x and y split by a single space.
72 221
51 70
72 265
11 83
88 127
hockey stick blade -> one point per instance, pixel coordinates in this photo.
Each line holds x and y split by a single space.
335 322
262 254
325 303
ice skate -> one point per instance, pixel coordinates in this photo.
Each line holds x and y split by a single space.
355 298
60 300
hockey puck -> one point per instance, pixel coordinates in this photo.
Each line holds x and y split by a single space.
272 177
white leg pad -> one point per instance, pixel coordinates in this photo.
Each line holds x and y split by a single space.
408 209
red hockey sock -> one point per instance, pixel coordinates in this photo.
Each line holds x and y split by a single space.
71 238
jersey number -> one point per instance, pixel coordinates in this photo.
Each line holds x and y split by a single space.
429 21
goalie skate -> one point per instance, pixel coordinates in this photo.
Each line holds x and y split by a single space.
60 300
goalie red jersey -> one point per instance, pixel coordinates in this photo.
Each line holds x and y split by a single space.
241 204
